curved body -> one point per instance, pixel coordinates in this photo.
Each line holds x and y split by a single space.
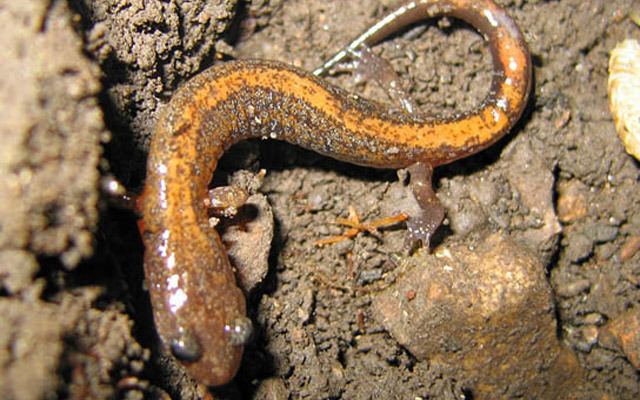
198 309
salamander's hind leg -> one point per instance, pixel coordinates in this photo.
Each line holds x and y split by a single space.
224 201
421 227
365 65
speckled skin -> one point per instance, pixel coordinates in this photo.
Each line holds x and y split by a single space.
198 309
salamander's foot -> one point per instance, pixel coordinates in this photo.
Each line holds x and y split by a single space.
224 201
366 66
421 227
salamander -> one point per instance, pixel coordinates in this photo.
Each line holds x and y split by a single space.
198 309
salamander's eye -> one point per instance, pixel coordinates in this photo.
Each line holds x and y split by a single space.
239 331
186 347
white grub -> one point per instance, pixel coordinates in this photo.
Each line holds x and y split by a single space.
624 93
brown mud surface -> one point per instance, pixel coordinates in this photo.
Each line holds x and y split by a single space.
81 85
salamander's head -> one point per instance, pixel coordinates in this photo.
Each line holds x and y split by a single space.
199 312
205 358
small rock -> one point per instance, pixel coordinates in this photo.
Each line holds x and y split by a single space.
368 276
629 248
593 318
467 219
573 288
465 214
623 334
533 178
249 235
486 310
583 338
572 201
580 248
318 198
601 233
603 288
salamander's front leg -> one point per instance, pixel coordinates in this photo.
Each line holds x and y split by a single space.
224 201
421 227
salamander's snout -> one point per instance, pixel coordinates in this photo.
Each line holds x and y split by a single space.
211 349
187 348
215 365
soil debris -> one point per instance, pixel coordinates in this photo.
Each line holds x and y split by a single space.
623 333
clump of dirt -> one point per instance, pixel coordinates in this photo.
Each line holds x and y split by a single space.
51 129
560 185
50 126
